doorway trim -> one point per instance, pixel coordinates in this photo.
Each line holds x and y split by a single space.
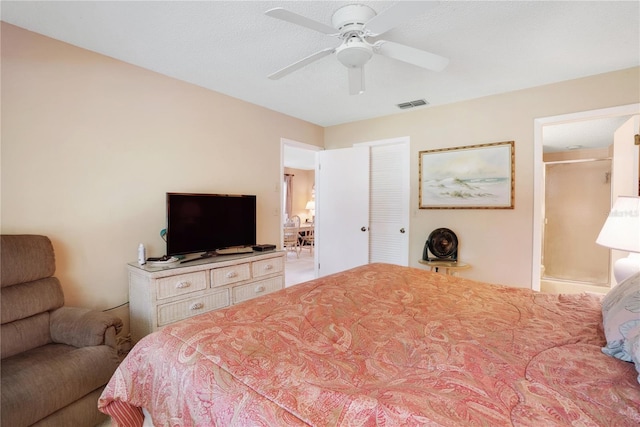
538 175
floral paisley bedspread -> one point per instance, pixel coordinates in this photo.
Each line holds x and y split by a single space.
381 345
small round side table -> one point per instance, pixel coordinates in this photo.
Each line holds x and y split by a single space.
449 267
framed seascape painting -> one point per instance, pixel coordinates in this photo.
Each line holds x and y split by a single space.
470 177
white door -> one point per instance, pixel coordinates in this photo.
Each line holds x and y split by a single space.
389 202
342 209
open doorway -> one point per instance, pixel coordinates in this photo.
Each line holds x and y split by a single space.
298 201
566 147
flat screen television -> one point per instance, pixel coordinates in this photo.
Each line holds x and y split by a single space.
206 222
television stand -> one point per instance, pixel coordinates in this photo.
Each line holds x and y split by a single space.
159 296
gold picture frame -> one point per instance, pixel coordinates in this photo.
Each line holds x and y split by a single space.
470 177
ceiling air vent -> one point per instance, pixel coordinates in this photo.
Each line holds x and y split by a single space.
411 104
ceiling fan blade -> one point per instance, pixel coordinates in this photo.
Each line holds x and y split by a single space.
356 80
294 18
303 62
397 14
411 55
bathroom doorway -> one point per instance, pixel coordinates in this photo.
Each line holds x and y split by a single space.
578 138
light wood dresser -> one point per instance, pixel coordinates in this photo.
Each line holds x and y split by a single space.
161 295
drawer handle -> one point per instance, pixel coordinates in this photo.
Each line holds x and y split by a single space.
259 288
196 306
231 274
182 285
268 267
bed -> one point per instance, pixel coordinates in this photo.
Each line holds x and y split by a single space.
381 345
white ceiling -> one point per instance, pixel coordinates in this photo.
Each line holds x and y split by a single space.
232 46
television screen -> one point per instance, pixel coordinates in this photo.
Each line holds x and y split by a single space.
206 222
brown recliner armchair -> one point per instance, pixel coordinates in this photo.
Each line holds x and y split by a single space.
56 360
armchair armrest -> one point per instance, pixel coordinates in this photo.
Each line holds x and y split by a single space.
81 327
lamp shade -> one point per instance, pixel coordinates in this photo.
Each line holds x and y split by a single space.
621 230
311 205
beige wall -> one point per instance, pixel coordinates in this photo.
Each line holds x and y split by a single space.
90 146
498 243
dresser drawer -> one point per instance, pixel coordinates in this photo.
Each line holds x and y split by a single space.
181 284
267 266
232 274
256 289
172 312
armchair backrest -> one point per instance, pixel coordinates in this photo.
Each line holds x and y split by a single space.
28 292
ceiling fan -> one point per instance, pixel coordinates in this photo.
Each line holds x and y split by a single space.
353 25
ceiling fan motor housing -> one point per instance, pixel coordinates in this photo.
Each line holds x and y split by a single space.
352 17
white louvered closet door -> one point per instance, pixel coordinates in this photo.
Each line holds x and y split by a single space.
389 202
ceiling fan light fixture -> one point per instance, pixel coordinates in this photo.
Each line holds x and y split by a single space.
354 53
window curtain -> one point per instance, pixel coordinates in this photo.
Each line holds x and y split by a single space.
288 194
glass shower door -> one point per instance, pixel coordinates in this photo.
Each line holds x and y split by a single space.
577 201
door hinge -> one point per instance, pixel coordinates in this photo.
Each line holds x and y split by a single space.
637 141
